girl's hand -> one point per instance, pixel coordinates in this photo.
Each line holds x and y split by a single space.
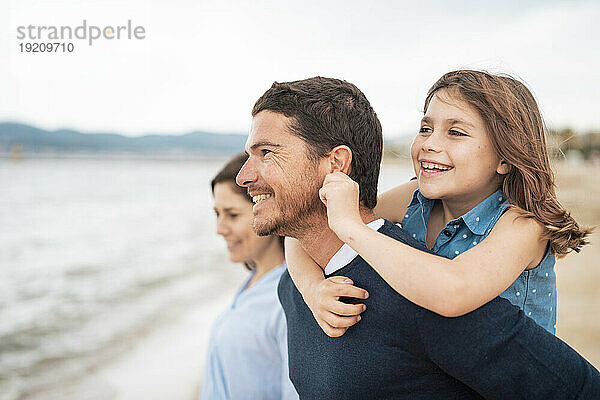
332 315
340 194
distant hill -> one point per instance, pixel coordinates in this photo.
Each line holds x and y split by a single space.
31 139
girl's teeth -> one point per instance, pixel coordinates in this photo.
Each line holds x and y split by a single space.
426 165
260 197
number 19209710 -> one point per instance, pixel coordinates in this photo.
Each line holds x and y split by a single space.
46 47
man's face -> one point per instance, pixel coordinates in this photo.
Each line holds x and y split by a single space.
282 180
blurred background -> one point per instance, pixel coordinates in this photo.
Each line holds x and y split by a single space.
110 268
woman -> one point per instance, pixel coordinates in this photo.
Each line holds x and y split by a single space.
247 351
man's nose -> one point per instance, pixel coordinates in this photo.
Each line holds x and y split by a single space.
246 174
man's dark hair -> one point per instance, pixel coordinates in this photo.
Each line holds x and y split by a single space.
327 113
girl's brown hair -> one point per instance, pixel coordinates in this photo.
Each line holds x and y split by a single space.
517 133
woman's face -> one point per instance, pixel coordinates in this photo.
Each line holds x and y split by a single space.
234 223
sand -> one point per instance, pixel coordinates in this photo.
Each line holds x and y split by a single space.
578 275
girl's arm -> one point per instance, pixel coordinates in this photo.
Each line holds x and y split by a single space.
447 287
453 287
322 295
392 205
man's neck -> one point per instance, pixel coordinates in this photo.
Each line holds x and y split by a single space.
321 243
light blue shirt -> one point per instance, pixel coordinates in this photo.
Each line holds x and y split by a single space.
534 291
247 352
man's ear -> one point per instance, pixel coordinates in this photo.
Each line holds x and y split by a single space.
340 159
503 168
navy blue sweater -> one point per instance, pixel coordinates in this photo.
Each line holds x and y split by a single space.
400 350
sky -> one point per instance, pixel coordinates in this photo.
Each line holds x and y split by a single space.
203 64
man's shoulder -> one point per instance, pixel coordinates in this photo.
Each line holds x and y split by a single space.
286 290
284 282
396 232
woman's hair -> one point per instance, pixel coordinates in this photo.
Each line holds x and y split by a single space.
517 133
227 175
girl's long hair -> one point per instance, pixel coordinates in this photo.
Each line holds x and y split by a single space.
517 133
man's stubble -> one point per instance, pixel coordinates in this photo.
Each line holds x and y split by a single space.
298 206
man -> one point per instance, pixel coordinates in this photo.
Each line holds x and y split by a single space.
303 130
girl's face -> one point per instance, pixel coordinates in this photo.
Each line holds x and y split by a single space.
234 223
452 155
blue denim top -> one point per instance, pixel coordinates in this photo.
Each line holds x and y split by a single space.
534 291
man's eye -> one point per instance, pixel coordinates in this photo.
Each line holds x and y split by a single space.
265 152
454 132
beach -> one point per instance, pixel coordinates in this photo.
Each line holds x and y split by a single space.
165 363
110 277
578 275
162 355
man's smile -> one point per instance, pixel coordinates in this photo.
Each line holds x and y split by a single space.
260 197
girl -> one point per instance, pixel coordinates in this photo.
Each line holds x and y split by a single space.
482 173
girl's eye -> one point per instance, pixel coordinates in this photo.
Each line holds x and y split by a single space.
233 216
425 129
454 132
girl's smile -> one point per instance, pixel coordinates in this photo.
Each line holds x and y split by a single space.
432 168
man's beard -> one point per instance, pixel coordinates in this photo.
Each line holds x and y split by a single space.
296 213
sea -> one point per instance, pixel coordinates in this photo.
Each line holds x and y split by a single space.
95 251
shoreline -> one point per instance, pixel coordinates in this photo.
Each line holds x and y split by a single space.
165 362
